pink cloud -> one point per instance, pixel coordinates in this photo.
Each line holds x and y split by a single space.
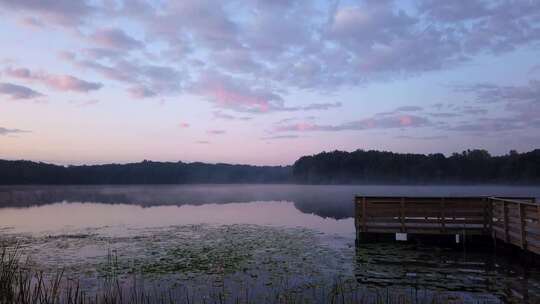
115 38
376 122
227 92
184 125
58 82
405 120
70 83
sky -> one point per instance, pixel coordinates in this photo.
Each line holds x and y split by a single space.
265 81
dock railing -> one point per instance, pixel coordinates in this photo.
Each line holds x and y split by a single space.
514 220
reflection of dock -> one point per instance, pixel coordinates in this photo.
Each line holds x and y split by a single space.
475 277
514 221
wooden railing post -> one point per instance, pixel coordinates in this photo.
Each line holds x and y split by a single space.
356 213
490 215
523 237
443 215
402 215
364 228
505 218
486 214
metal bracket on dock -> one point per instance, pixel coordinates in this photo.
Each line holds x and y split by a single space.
401 237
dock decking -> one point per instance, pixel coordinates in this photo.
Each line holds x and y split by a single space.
512 220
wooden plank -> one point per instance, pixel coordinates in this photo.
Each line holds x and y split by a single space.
490 213
523 200
443 215
364 214
538 210
522 227
505 216
402 215
437 221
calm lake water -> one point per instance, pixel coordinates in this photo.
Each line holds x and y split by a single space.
286 237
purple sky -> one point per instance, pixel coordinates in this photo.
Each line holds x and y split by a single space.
265 81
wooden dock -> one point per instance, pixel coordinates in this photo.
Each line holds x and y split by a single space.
512 220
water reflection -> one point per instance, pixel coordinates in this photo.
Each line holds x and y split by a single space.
119 219
478 274
324 201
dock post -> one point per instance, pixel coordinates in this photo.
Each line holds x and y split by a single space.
402 217
523 235
364 228
505 216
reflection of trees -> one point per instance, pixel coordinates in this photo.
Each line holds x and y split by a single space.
322 201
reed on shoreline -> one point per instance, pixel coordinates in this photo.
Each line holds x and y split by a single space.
20 283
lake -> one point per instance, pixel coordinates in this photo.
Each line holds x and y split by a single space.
251 241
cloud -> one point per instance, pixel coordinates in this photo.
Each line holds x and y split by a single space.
319 106
473 110
409 109
62 12
237 95
227 92
254 61
17 91
375 122
534 69
216 132
444 114
202 142
115 39
521 104
401 109
278 137
58 82
455 11
237 60
31 23
436 137
183 125
225 116
145 80
97 54
488 125
487 92
141 92
85 103
6 131
458 112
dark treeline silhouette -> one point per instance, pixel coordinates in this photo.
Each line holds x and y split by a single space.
338 167
146 172
471 166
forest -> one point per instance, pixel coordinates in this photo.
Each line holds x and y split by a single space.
337 167
145 172
471 166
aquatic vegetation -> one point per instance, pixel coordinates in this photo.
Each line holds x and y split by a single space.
19 284
194 264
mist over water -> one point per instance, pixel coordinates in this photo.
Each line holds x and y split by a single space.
325 201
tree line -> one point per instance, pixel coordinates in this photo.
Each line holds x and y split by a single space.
471 166
145 172
337 167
